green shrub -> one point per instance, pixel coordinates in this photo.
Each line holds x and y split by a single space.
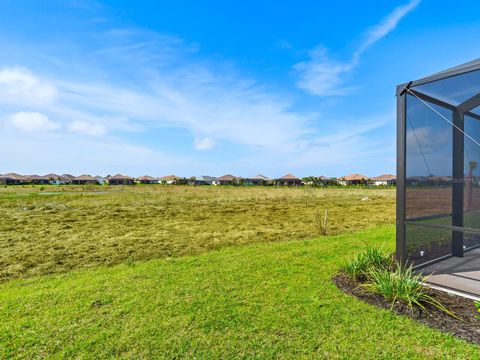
477 305
372 258
403 285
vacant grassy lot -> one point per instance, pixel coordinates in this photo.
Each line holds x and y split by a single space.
56 229
261 301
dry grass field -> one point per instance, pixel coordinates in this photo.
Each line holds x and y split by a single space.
59 228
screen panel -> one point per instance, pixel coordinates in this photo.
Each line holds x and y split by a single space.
453 90
428 161
425 243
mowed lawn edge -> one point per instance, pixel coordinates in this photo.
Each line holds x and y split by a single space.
272 300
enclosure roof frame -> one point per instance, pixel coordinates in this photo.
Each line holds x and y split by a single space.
454 71
466 106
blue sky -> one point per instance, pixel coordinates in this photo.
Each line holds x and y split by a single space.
215 87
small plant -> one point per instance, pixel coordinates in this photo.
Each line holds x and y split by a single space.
477 305
321 221
403 285
130 261
361 265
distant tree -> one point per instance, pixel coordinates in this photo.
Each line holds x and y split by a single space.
182 181
313 181
238 182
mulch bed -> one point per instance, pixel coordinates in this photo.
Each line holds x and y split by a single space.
468 329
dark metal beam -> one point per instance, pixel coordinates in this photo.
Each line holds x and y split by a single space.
458 70
401 251
457 183
441 103
469 104
433 100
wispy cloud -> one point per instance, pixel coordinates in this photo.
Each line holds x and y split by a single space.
387 25
213 104
203 143
18 86
86 128
321 75
31 121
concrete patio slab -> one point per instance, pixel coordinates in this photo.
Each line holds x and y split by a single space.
459 274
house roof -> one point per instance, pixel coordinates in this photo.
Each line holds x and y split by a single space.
36 177
146 178
385 177
206 178
15 176
417 178
259 177
169 177
439 178
52 176
289 177
120 177
84 177
355 176
67 176
227 177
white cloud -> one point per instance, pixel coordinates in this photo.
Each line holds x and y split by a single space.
19 86
219 106
323 76
82 127
203 143
32 121
387 25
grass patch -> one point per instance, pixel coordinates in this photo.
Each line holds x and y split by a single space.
360 266
75 227
271 300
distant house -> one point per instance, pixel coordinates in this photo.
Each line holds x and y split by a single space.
120 179
84 180
38 180
386 179
206 180
354 179
67 178
327 181
258 179
14 179
55 179
289 180
227 179
100 179
146 179
169 179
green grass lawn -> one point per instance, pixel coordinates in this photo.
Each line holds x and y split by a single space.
272 300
